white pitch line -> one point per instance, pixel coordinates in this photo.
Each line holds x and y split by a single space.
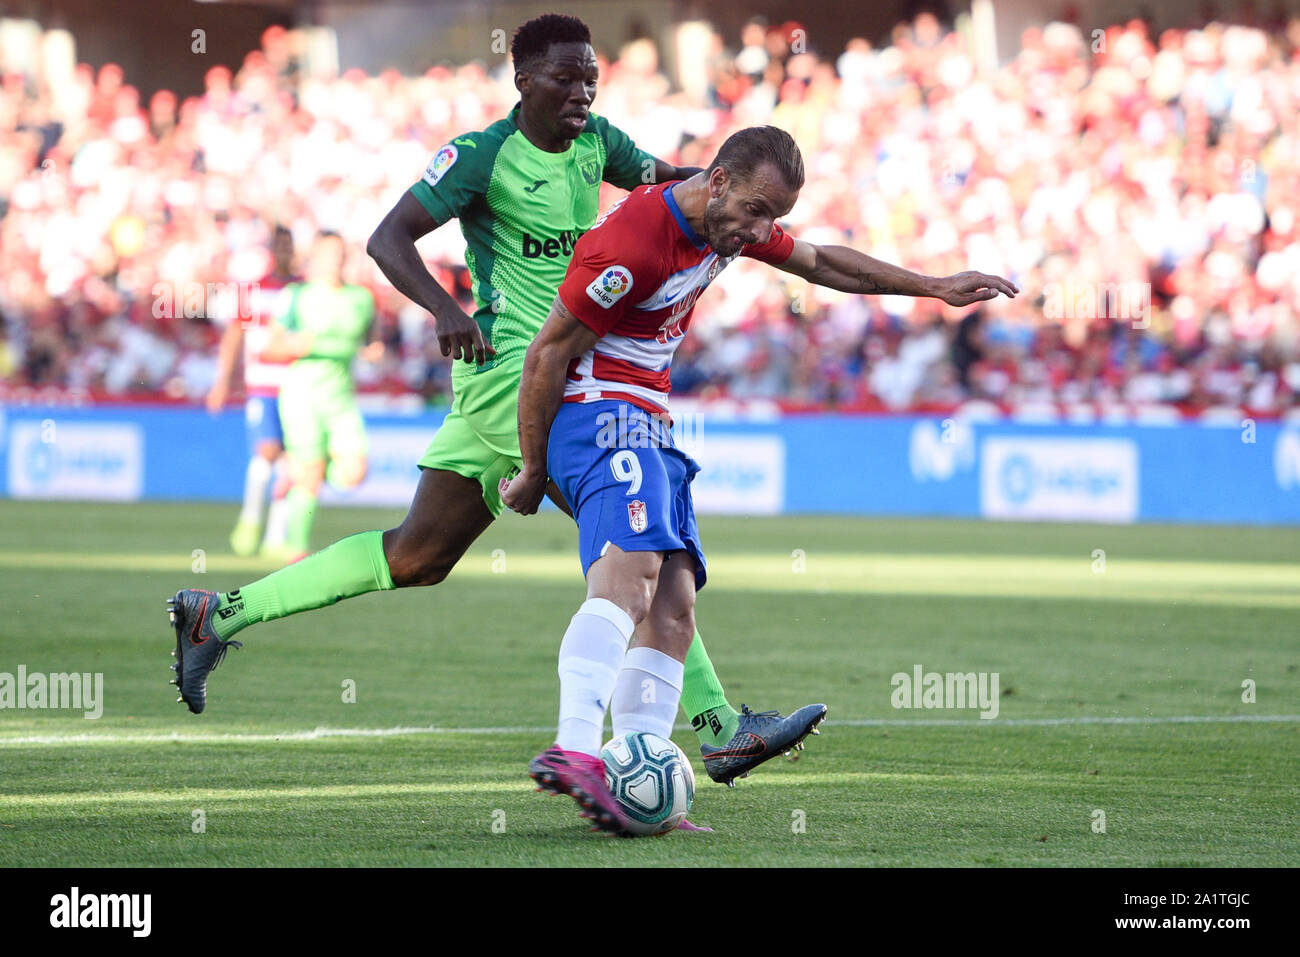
1056 722
321 733
226 738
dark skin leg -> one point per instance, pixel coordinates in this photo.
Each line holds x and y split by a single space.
446 516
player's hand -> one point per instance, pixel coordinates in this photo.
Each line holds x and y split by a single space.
524 492
216 400
963 288
373 352
460 337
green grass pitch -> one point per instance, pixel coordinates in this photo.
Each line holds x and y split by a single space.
1100 658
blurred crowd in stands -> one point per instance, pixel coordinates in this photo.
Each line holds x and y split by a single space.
1163 166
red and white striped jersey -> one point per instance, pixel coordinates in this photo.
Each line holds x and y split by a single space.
634 279
263 378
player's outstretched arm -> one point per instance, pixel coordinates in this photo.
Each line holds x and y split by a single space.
848 270
541 390
392 247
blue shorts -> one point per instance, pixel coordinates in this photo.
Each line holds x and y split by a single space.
262 418
625 480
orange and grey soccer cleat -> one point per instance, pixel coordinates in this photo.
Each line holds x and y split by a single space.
761 736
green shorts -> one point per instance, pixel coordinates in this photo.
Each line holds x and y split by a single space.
479 439
321 424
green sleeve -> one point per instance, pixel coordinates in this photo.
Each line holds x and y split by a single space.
625 166
342 340
457 175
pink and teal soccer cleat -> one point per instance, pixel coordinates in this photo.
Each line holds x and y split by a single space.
553 772
581 777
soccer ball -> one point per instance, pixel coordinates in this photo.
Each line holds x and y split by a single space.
652 780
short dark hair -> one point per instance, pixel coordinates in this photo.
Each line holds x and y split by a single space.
534 38
748 149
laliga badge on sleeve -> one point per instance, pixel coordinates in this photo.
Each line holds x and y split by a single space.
610 286
442 161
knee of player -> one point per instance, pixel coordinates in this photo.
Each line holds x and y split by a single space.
631 594
637 598
352 475
676 623
413 563
309 474
427 569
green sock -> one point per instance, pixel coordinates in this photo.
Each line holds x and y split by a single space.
352 566
714 720
301 506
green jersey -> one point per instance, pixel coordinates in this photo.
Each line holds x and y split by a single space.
521 209
337 318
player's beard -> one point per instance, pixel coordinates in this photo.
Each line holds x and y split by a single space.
716 232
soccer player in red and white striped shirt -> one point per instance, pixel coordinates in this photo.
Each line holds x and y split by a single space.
262 380
602 358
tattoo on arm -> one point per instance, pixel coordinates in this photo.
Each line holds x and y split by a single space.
870 286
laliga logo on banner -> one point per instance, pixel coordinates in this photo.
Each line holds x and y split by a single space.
1286 459
938 453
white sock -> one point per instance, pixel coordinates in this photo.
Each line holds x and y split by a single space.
590 655
277 522
647 692
256 479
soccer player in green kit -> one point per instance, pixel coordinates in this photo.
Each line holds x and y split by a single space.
524 190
